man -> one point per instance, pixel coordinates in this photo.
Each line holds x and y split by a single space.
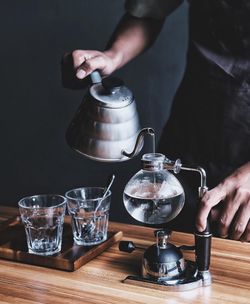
209 123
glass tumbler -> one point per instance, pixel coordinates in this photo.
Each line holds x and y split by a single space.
43 217
89 214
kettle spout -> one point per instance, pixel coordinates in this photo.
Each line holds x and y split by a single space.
139 142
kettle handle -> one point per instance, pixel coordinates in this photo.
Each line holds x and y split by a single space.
95 77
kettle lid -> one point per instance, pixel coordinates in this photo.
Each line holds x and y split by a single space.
111 93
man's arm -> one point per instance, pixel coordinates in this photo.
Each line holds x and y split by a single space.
131 37
136 31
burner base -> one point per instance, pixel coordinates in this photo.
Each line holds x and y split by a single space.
189 280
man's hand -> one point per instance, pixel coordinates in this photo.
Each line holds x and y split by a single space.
87 61
234 215
80 63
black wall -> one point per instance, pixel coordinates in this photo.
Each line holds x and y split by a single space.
36 109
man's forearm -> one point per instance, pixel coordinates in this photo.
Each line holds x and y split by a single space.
131 37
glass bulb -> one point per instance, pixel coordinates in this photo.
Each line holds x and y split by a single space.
153 197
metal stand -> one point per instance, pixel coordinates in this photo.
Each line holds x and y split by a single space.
189 280
202 239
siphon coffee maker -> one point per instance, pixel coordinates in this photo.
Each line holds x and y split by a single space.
106 128
154 196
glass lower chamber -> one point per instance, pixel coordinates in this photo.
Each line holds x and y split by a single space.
153 196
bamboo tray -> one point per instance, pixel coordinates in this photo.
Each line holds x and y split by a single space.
13 247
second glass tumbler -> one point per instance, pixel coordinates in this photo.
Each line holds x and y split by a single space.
89 214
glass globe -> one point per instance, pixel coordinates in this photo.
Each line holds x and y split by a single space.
153 196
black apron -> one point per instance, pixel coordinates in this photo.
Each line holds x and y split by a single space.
209 125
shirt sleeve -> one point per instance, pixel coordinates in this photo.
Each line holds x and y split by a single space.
156 9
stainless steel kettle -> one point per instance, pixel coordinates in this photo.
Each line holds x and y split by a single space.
106 124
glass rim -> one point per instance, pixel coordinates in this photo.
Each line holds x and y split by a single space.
88 199
42 195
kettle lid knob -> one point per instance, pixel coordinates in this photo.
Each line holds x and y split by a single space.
111 84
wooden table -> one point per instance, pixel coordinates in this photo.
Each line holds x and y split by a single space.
100 281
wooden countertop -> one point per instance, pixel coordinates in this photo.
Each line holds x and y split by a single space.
100 281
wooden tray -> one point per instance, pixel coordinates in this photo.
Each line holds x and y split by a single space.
13 247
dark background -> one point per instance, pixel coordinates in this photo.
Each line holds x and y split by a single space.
36 109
